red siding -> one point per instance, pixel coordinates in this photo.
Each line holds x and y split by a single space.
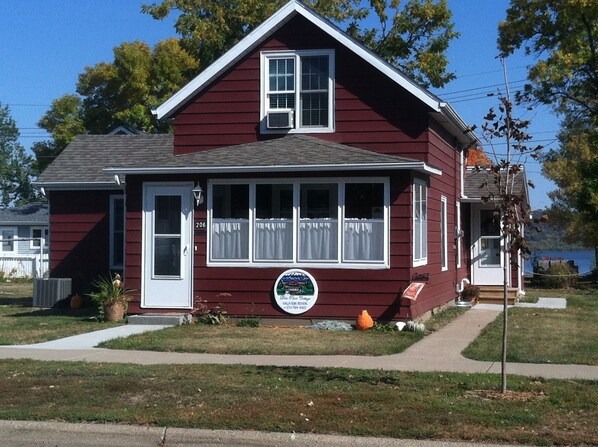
79 227
370 112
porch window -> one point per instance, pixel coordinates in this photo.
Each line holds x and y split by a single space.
117 232
443 235
230 222
301 222
297 92
7 240
420 223
318 222
364 222
273 222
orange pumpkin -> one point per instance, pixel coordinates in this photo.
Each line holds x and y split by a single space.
364 321
76 302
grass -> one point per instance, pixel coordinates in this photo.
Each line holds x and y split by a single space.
20 323
359 403
545 335
230 339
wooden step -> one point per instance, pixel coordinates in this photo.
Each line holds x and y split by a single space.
494 295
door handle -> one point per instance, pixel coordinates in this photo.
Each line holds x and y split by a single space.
185 250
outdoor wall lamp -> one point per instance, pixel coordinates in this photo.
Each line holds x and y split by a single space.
198 194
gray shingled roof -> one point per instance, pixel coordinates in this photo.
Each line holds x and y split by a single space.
87 157
84 159
30 214
474 180
292 150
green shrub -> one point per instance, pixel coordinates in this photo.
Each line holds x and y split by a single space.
558 276
249 322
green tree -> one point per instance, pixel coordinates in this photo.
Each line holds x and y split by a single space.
140 78
413 35
574 169
121 92
64 120
563 35
15 164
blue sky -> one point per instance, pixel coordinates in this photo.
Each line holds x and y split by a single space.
47 43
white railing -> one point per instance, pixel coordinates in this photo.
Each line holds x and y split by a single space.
30 265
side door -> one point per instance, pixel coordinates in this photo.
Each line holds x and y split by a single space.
486 247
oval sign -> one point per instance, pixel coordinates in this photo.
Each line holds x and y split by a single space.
295 291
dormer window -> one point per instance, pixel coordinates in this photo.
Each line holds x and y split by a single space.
297 91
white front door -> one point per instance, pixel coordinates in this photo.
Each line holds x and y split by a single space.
167 246
486 248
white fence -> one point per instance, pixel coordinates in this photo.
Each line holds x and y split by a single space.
31 265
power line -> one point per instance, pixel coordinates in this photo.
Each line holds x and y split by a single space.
468 75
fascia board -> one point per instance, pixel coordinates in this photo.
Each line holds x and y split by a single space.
275 21
415 166
468 137
69 186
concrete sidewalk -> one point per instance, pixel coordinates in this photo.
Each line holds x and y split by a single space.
440 351
44 434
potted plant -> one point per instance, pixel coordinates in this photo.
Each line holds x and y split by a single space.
470 294
111 297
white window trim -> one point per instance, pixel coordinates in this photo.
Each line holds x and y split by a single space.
340 263
444 233
264 79
417 262
15 241
45 234
113 199
458 235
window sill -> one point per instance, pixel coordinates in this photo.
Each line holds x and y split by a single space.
303 130
302 265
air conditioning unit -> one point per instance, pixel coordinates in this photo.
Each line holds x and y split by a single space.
47 292
280 120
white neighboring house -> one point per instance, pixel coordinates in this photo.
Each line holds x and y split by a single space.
24 241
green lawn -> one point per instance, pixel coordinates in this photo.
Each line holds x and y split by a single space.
361 403
545 335
229 339
20 323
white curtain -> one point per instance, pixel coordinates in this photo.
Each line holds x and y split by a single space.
273 239
230 240
364 240
318 240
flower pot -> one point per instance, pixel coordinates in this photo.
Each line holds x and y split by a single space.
114 311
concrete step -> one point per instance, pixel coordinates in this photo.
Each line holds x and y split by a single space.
160 319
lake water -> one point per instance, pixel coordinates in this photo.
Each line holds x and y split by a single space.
582 259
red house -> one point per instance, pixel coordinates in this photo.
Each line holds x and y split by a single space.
299 155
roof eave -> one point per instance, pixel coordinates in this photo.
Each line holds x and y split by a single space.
462 131
8 223
414 166
71 186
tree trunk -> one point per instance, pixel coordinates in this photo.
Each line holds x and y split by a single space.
505 320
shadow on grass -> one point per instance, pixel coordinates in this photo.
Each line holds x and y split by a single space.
309 374
53 312
17 301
